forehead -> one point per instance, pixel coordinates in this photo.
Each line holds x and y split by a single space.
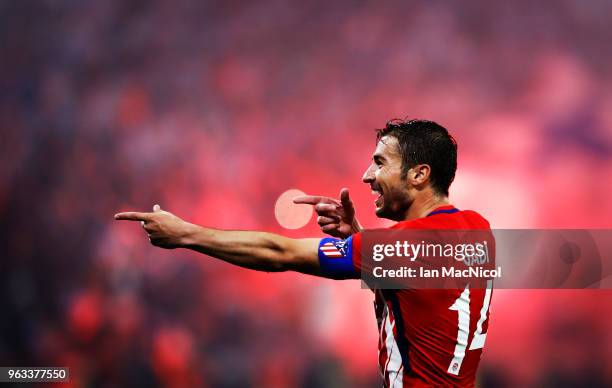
387 147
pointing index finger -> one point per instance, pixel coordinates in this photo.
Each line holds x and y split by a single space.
325 207
133 216
313 200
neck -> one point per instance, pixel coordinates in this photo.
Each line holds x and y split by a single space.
422 206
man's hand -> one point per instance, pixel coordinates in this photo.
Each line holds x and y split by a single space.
335 217
164 229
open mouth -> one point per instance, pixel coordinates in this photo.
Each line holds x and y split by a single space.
378 193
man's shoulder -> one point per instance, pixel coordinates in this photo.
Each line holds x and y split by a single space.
476 217
462 219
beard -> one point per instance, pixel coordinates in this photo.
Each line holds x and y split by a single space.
394 206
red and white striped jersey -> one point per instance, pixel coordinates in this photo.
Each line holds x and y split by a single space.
427 337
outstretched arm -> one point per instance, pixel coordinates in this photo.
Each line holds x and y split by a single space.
260 251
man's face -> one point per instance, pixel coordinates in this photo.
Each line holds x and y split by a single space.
385 178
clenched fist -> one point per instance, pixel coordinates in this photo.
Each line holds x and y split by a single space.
164 229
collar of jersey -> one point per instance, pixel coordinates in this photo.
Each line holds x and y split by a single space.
446 209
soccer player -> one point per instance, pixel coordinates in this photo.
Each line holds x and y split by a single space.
427 337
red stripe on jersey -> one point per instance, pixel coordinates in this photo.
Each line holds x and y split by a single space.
429 325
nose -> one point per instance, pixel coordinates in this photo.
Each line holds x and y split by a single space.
368 175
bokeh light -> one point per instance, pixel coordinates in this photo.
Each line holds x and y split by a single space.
288 214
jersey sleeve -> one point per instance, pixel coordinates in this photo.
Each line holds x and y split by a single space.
339 259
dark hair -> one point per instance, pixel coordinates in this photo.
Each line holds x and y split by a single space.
425 142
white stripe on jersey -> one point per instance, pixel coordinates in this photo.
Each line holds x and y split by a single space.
462 306
394 366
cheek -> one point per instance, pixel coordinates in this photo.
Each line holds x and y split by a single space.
379 176
395 184
383 179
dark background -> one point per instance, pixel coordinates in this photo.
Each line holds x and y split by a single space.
213 109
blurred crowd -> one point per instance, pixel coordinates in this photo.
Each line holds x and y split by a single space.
213 109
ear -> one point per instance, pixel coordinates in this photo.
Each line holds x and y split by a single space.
419 174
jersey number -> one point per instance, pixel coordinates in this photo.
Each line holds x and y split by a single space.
462 306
